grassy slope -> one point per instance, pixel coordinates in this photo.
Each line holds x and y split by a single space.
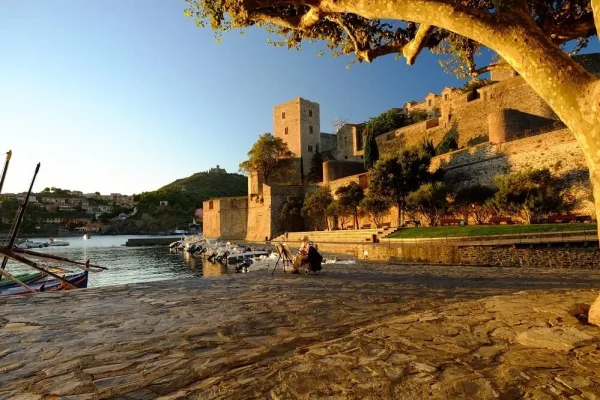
488 230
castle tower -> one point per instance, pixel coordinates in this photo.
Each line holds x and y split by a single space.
298 123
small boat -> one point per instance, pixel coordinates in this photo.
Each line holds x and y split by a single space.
25 278
53 242
46 285
234 259
86 236
28 244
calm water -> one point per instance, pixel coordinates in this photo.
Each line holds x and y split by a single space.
126 264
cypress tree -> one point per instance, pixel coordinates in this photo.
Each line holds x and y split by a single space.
371 151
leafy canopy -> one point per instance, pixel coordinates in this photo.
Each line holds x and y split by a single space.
349 197
376 207
267 157
430 200
315 206
344 31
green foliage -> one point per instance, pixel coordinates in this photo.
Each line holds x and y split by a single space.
335 211
396 175
427 147
415 116
449 143
349 197
475 84
316 167
290 216
315 206
474 201
430 200
529 195
267 157
385 122
376 207
371 151
199 187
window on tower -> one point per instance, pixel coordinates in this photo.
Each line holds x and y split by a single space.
310 148
283 115
286 130
309 112
310 129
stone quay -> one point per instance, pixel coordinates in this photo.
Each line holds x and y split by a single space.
367 330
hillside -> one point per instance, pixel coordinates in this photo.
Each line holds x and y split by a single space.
184 196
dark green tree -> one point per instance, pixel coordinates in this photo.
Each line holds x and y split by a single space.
371 150
530 195
430 200
376 207
394 176
315 207
290 216
473 201
350 196
316 167
267 157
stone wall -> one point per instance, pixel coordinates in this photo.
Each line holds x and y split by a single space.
334 170
226 218
298 123
557 151
328 142
502 256
264 210
347 142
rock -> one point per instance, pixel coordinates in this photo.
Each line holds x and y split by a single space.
106 368
594 313
555 338
573 382
488 351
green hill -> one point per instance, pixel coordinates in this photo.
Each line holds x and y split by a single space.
184 197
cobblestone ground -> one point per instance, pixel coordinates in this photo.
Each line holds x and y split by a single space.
364 331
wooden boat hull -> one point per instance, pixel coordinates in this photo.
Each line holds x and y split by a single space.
25 278
47 285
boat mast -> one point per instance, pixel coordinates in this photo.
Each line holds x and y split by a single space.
5 169
17 225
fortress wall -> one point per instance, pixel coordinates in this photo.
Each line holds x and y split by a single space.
514 105
557 151
333 170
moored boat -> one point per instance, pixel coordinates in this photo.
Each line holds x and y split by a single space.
47 285
52 242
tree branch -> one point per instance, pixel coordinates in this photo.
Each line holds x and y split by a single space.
414 47
596 11
583 27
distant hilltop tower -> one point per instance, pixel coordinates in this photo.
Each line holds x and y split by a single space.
298 123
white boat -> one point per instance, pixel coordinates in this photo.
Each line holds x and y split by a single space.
28 244
86 236
52 242
234 259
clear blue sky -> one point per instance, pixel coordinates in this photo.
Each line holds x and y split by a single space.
129 95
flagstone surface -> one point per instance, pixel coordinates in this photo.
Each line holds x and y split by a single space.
356 331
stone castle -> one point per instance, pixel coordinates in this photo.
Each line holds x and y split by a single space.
499 128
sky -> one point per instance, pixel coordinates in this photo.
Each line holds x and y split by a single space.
125 96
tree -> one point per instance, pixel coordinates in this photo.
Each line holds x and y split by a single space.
376 207
396 175
315 206
349 197
527 34
430 200
267 157
474 200
371 151
291 213
338 213
529 195
316 167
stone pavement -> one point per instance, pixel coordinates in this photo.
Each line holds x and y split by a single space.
362 331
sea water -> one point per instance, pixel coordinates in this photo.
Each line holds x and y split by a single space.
125 264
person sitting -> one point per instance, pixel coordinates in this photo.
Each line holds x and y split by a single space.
308 253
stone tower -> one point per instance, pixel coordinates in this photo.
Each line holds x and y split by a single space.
298 123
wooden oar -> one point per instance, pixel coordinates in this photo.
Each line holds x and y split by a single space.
15 280
11 254
58 258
